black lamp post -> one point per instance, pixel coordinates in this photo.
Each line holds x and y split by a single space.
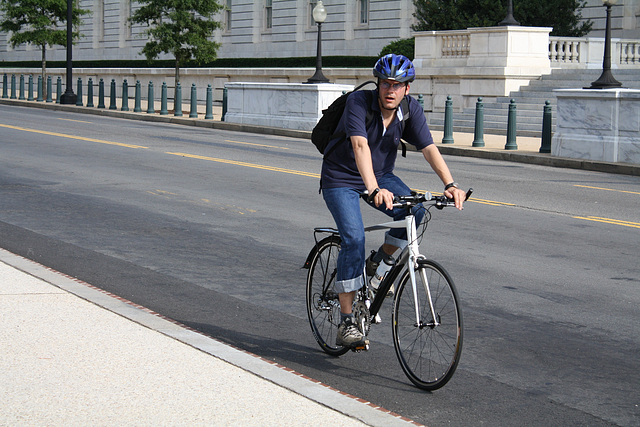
68 97
606 79
509 19
319 15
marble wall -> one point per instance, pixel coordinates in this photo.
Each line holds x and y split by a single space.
598 124
282 105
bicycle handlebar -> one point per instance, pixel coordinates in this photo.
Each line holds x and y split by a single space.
415 198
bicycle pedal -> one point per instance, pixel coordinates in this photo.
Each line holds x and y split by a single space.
357 348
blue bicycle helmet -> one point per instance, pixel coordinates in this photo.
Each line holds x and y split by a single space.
395 67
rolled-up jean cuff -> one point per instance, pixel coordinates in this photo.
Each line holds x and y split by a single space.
345 286
394 241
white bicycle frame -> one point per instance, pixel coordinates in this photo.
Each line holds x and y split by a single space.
410 256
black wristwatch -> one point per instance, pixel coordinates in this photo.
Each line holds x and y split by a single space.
451 184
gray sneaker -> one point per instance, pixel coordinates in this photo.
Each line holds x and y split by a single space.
349 335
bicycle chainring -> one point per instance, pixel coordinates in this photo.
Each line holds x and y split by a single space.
362 316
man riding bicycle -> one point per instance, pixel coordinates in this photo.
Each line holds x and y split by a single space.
367 163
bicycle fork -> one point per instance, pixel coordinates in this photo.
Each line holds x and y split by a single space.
413 264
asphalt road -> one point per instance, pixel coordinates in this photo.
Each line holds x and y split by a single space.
211 228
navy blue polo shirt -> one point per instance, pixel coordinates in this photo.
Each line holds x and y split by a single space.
339 167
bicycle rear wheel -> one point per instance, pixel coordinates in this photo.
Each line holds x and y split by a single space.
323 306
429 351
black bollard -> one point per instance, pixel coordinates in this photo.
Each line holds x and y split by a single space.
163 100
448 121
137 108
193 113
101 94
150 101
112 95
90 93
125 96
209 111
49 88
478 132
177 101
546 128
224 103
511 127
79 93
30 88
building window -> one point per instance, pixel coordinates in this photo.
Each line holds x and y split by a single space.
227 16
363 12
268 14
312 4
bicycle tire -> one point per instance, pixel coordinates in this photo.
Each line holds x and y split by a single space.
323 306
428 354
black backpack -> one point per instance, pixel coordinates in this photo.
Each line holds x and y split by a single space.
325 131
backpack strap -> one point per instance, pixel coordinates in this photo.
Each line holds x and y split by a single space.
404 107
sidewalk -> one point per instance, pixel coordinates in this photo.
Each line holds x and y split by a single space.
75 355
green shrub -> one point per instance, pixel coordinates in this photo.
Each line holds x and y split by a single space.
406 47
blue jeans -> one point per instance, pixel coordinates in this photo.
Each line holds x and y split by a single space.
344 205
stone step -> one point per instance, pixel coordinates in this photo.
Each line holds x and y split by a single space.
530 101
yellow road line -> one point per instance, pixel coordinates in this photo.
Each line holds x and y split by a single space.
249 165
606 189
256 145
75 121
610 221
81 138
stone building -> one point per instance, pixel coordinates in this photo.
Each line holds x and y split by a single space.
280 28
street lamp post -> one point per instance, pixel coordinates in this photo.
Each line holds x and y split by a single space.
319 16
509 19
68 97
606 79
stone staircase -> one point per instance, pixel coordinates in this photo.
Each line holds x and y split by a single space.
530 101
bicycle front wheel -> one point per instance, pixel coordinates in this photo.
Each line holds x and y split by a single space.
427 347
323 306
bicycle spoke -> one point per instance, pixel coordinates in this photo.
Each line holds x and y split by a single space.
428 353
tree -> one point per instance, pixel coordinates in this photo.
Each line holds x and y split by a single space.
563 15
182 28
39 22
